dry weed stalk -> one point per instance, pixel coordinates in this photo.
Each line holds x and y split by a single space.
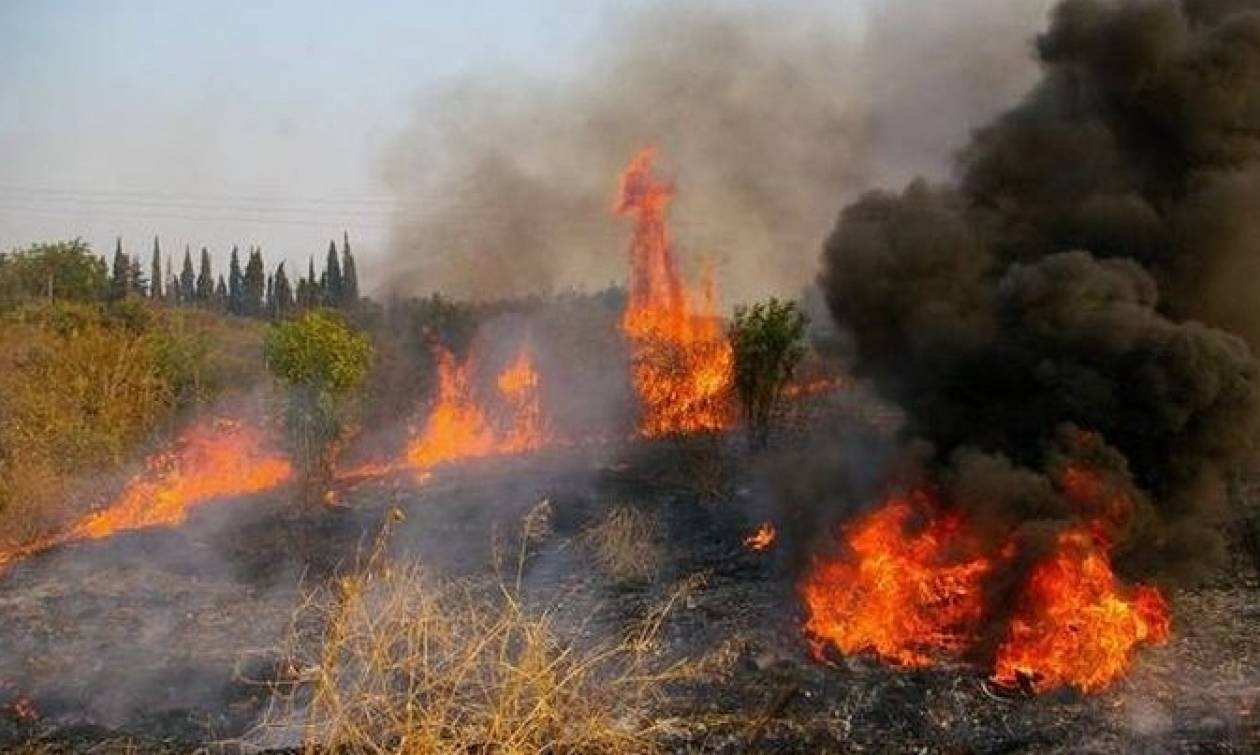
392 659
626 545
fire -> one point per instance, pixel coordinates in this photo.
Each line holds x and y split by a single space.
1075 625
681 359
908 586
902 591
458 427
762 539
211 460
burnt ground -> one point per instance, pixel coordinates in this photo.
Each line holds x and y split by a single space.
157 641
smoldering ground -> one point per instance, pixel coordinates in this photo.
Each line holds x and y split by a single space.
767 119
1079 294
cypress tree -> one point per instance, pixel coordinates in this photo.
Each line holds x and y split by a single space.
349 274
236 285
332 278
269 301
187 280
255 284
283 294
312 284
136 284
120 279
205 280
155 272
221 295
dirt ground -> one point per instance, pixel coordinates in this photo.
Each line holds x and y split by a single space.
160 640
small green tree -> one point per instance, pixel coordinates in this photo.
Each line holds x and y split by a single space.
768 341
62 270
321 361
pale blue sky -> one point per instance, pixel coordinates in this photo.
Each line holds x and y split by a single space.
191 119
269 122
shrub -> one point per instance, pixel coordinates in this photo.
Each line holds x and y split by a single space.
83 386
768 340
626 545
63 270
77 395
321 361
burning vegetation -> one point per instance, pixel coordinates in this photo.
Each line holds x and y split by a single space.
681 359
1057 333
212 460
459 427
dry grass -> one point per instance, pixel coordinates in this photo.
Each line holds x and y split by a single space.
626 544
393 659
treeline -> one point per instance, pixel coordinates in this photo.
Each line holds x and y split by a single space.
247 291
69 270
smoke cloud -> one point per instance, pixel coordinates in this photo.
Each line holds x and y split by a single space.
1079 296
764 118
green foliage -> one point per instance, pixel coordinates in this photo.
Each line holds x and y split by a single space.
79 390
84 385
768 340
65 270
321 361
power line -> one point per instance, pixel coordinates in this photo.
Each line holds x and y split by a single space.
160 196
12 208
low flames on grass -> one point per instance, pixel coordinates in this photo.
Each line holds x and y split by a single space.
459 426
908 583
212 459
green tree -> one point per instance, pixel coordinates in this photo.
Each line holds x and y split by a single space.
332 277
155 272
321 361
349 273
220 296
768 341
120 277
61 270
187 281
254 284
236 284
205 281
136 283
283 294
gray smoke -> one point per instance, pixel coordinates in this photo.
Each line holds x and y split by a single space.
763 119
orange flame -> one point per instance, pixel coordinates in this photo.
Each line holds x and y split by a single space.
908 592
211 460
681 359
1075 625
762 539
904 595
458 427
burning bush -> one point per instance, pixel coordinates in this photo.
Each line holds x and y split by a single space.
768 340
321 361
83 386
680 362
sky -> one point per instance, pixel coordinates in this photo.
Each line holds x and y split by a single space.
236 123
270 122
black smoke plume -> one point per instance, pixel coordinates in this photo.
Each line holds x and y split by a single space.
1083 293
